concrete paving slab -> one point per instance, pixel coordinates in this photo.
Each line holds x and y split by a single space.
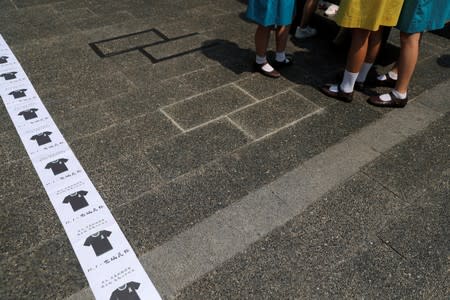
177 205
208 106
188 151
209 78
262 87
273 113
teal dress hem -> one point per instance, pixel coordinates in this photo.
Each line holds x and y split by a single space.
271 12
423 15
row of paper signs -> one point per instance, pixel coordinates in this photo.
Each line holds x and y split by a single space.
107 259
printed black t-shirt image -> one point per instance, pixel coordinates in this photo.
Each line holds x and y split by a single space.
18 93
77 200
99 242
58 166
126 292
42 138
29 113
3 59
9 75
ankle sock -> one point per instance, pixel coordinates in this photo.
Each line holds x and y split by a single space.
387 97
348 82
261 60
363 72
280 56
391 74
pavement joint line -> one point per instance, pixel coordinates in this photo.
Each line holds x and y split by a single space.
302 96
194 96
172 120
251 137
245 92
191 254
317 111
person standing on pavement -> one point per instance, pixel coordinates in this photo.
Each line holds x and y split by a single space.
366 18
269 15
304 31
416 17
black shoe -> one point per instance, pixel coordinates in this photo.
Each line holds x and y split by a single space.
340 95
288 61
394 102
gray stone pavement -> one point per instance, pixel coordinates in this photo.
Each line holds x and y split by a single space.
227 184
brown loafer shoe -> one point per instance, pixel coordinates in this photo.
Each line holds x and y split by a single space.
273 74
340 95
394 102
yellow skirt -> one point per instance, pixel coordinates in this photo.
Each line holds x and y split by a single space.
368 14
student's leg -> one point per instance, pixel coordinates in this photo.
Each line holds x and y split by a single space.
374 45
303 30
406 64
409 53
262 36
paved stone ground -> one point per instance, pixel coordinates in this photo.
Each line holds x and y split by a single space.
227 184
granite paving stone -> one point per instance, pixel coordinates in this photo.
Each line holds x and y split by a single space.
125 179
189 151
261 162
210 78
42 224
262 87
128 42
421 76
99 21
11 148
56 272
273 113
413 165
208 106
177 205
123 139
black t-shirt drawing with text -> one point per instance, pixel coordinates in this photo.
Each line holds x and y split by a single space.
58 166
29 113
18 93
77 200
99 242
3 59
9 75
126 292
42 138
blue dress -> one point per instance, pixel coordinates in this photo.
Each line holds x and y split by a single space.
423 15
271 12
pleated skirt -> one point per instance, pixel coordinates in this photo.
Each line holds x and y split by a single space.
423 15
271 12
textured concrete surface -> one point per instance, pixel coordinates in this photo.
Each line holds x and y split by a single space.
227 184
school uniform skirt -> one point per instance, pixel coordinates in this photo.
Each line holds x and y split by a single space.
423 15
368 14
271 12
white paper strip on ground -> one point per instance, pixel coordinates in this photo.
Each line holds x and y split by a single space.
107 259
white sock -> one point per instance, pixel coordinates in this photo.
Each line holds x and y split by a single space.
392 75
348 82
280 56
387 97
267 67
363 72
261 60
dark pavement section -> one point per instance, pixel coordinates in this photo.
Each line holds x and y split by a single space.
172 143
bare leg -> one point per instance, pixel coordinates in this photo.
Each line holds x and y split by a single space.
409 53
358 50
262 36
308 10
282 35
374 46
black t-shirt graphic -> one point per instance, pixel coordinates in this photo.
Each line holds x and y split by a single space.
9 75
58 166
29 113
3 59
126 292
42 138
18 93
77 200
99 241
